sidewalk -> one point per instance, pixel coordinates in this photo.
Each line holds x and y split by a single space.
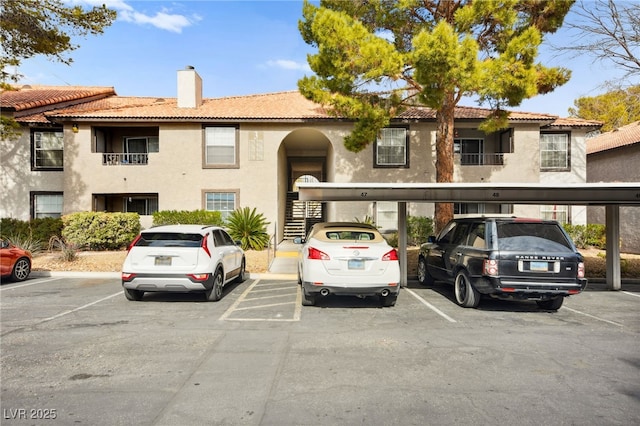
285 262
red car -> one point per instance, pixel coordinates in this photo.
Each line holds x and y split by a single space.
15 263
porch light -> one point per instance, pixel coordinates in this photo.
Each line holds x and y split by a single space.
74 128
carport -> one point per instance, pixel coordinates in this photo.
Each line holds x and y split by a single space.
610 195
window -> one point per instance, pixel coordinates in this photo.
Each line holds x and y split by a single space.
46 205
220 146
554 151
471 151
137 149
47 151
144 206
223 202
387 215
391 148
559 213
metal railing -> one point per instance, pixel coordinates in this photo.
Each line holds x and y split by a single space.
482 159
116 159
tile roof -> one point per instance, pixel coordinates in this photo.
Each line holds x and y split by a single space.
289 105
29 97
102 103
622 136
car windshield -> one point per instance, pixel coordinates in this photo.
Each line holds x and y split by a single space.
532 237
169 239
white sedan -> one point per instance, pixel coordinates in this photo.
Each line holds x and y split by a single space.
344 258
182 258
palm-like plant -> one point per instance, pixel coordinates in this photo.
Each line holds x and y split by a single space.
249 227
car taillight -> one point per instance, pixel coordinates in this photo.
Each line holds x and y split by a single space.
199 277
317 254
205 244
392 255
128 276
133 243
581 270
490 267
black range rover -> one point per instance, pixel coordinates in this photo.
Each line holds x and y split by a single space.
507 258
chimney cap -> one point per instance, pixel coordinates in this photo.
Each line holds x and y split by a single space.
189 67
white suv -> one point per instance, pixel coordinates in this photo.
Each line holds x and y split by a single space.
182 258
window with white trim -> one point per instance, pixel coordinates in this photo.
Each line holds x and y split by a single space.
223 202
220 146
554 151
48 149
46 205
554 212
387 215
391 147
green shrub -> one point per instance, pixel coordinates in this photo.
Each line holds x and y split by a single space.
36 231
392 239
419 228
249 227
584 236
100 230
184 217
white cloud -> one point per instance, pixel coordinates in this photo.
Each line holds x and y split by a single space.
164 19
289 65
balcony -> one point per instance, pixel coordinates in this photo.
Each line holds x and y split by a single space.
122 159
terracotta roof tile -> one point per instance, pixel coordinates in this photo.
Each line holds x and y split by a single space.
29 97
622 136
576 122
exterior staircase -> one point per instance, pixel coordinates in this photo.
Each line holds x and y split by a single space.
299 217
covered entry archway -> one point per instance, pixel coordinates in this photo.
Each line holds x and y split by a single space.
611 195
305 155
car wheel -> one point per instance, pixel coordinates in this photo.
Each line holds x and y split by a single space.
215 292
242 275
423 275
307 300
551 304
135 295
21 269
466 295
388 301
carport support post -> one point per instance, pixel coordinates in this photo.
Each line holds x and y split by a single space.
402 242
613 247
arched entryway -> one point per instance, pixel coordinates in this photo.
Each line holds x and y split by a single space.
305 155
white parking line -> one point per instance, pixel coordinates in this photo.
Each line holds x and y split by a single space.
81 307
430 306
243 298
592 316
631 294
13 287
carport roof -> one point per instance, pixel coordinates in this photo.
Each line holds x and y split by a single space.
627 193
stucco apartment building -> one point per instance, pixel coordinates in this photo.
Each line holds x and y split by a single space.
87 149
615 157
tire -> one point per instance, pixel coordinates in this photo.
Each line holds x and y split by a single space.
307 300
215 292
242 276
388 301
21 269
466 294
424 278
551 304
135 295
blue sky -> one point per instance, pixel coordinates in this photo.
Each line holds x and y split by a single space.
238 48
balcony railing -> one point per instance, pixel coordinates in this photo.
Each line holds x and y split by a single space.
116 159
482 159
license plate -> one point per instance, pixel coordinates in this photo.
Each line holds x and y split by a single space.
539 266
163 261
355 264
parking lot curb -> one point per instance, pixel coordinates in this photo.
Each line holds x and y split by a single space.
116 275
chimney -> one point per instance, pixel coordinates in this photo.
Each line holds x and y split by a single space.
189 88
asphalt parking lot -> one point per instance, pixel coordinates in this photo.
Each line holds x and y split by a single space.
75 352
